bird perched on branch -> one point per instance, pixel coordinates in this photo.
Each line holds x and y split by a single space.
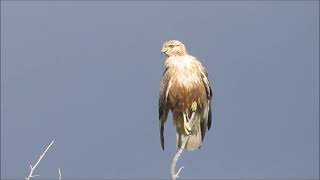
184 89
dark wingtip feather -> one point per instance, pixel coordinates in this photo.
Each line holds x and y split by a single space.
161 135
203 130
209 118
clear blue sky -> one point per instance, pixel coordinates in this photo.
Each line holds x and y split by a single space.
87 74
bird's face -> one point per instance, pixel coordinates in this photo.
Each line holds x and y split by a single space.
174 48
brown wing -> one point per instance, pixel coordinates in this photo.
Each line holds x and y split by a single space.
207 115
209 95
163 103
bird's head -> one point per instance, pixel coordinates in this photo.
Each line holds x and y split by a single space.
174 48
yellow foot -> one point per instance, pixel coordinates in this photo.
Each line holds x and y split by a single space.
186 125
194 106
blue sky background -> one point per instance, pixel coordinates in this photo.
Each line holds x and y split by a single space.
87 74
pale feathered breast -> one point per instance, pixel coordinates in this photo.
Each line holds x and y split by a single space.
185 71
186 84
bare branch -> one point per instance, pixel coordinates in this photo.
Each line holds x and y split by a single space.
175 159
59 173
175 175
33 167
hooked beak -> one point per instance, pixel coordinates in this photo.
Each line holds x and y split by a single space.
164 49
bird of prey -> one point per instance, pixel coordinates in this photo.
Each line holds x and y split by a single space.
184 89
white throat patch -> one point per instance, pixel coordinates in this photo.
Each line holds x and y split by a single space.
180 62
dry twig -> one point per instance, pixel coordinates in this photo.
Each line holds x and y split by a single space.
59 173
33 167
174 174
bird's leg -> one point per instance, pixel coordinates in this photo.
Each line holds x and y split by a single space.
194 106
186 125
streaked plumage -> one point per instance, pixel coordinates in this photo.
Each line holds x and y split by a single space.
184 82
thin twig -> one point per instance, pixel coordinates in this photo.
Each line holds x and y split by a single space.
175 159
33 167
59 173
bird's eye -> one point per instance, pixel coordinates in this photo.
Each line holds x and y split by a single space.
171 46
